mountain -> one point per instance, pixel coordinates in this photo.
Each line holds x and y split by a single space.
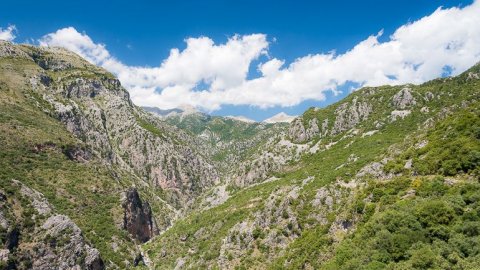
71 133
387 178
241 118
161 112
280 118
226 141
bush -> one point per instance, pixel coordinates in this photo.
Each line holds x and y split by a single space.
435 212
422 258
258 233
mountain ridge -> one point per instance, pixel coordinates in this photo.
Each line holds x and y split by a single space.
280 117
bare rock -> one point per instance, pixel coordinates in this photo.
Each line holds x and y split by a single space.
8 49
374 169
429 96
348 115
78 154
138 219
61 246
403 99
473 76
408 164
396 114
38 201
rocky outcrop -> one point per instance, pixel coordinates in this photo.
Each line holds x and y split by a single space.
41 239
403 99
55 58
82 87
63 245
78 154
348 115
138 219
275 226
7 49
397 114
299 133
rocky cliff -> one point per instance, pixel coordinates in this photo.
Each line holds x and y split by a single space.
138 219
72 125
96 109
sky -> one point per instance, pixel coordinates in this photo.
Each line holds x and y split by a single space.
254 58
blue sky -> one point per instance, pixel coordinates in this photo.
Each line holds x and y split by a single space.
142 33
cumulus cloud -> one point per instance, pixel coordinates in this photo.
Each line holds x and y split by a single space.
8 33
220 67
209 75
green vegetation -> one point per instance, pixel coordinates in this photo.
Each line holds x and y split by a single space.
149 126
436 229
398 223
32 150
225 141
417 209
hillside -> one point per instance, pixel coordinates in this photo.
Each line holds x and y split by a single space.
70 132
386 178
225 140
392 170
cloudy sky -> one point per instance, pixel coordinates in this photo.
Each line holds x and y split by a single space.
256 60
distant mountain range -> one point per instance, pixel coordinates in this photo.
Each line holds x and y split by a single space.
278 118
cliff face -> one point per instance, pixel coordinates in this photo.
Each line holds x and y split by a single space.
138 219
99 112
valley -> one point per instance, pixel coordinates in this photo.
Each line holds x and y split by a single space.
387 178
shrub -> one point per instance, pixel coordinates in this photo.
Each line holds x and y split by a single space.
435 212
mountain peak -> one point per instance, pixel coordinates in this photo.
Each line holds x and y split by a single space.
187 109
280 118
241 118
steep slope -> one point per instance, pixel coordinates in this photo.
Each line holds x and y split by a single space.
36 237
70 131
338 173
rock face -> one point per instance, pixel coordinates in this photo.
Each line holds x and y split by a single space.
299 133
55 242
289 146
53 252
348 115
403 99
138 219
8 50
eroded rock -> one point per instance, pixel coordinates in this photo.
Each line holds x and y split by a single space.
138 219
403 99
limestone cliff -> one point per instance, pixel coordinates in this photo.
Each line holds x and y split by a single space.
138 219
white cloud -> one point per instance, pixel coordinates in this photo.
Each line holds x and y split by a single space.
8 33
414 53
